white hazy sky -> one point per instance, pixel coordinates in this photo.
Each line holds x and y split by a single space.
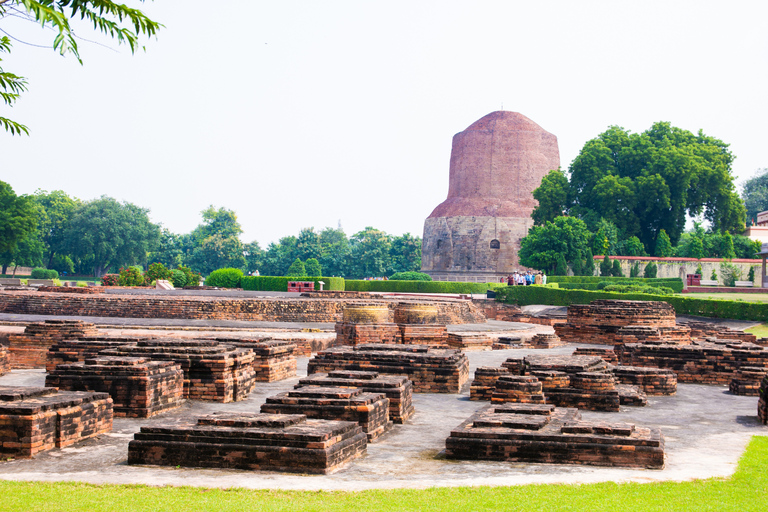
307 113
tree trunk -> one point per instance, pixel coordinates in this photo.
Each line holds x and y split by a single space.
5 268
14 270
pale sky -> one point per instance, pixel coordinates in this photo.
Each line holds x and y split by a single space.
303 113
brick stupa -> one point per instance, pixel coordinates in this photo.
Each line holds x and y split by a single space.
496 164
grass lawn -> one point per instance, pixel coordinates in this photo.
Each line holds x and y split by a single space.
761 331
746 490
746 297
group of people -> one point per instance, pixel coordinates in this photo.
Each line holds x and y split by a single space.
526 278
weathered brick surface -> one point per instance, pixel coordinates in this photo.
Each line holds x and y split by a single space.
82 290
5 360
273 360
33 420
746 381
702 362
86 347
606 354
523 389
252 441
360 334
139 388
449 311
544 340
430 369
762 403
30 349
545 434
484 383
212 370
398 389
369 410
653 381
703 330
433 335
466 341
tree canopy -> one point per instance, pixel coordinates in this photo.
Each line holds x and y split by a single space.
18 218
643 183
120 22
755 194
566 236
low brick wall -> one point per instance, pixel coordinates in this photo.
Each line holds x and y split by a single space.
215 308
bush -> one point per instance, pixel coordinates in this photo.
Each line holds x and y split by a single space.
593 282
296 269
193 278
634 288
561 267
616 269
410 276
751 274
44 273
737 310
650 270
421 286
225 278
280 284
178 278
634 270
731 274
605 267
130 276
312 268
63 264
156 271
713 276
109 280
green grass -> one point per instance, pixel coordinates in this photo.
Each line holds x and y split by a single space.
746 490
761 331
746 297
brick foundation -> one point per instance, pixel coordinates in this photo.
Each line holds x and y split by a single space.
466 341
5 360
273 360
33 420
260 442
30 349
762 402
747 380
653 381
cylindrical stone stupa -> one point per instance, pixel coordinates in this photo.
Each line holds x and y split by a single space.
496 164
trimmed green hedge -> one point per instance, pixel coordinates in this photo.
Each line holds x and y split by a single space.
280 283
44 273
418 286
225 278
588 281
737 310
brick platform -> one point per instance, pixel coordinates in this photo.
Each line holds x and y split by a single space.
212 371
252 441
522 389
87 347
369 410
484 383
467 341
433 335
360 334
30 349
139 388
606 354
82 290
653 381
273 360
762 403
701 362
431 370
398 389
600 320
546 341
703 330
33 420
746 381
545 434
509 342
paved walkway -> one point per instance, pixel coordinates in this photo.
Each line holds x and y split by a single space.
706 431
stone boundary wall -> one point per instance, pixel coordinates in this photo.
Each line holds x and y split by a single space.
680 267
213 308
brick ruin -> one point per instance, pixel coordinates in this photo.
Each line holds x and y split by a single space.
601 321
86 347
212 371
746 381
703 330
30 349
710 361
33 420
466 341
544 340
762 402
273 360
414 324
432 370
5 360
398 389
251 441
606 354
369 410
543 433
139 387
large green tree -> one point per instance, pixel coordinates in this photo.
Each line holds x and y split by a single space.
369 254
57 209
405 253
18 221
647 182
334 251
566 236
112 233
119 21
755 195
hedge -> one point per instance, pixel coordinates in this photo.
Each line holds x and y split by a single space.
280 283
671 282
736 310
418 286
225 278
44 273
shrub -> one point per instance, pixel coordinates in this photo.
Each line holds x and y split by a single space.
731 274
225 278
312 267
156 271
616 269
650 270
635 288
63 264
422 286
109 280
698 269
589 264
561 267
193 278
410 276
634 270
605 267
296 269
751 274
44 273
713 276
178 278
130 276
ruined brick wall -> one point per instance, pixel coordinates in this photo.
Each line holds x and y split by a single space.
496 164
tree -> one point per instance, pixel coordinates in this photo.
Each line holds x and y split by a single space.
552 196
296 269
650 181
312 267
616 269
308 244
111 233
605 267
540 248
369 253
334 251
118 21
633 247
696 248
634 270
650 270
18 219
726 246
589 264
755 194
405 253
222 222
279 256
169 251
663 245
216 252
561 268
254 256
57 210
